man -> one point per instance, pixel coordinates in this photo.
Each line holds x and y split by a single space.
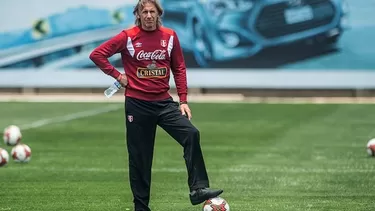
149 52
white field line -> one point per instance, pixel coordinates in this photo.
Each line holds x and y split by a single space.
69 117
183 170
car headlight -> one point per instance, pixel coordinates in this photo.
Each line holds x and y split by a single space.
220 6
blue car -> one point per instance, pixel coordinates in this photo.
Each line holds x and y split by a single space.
222 30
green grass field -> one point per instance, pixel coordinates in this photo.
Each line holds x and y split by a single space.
265 157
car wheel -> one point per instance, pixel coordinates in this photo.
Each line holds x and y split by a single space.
202 46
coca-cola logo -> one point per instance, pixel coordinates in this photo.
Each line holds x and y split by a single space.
154 55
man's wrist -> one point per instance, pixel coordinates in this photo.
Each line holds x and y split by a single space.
183 98
119 77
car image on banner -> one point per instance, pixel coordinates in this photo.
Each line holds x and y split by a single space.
223 30
247 35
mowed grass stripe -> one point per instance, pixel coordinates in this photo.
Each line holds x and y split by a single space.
32 114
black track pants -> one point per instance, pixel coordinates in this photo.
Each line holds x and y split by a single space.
142 118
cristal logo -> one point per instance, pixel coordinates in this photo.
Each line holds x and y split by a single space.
154 55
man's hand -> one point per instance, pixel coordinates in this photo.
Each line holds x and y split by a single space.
123 80
185 110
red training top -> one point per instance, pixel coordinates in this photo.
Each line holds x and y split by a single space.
147 58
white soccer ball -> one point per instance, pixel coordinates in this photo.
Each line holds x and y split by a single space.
21 153
216 204
12 135
371 147
4 157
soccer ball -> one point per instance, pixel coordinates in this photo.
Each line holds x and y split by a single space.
21 153
216 204
371 147
12 135
4 157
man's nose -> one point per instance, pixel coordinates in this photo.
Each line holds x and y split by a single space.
149 15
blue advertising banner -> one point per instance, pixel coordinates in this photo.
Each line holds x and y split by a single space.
286 35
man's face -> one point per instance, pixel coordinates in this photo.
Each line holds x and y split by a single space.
149 16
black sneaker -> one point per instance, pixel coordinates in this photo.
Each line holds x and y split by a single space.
202 194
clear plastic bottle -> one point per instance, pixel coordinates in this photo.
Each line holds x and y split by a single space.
110 91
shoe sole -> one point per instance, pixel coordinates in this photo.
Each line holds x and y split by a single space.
196 202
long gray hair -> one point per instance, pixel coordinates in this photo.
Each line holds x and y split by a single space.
139 7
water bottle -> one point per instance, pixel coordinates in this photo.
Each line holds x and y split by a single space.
110 91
